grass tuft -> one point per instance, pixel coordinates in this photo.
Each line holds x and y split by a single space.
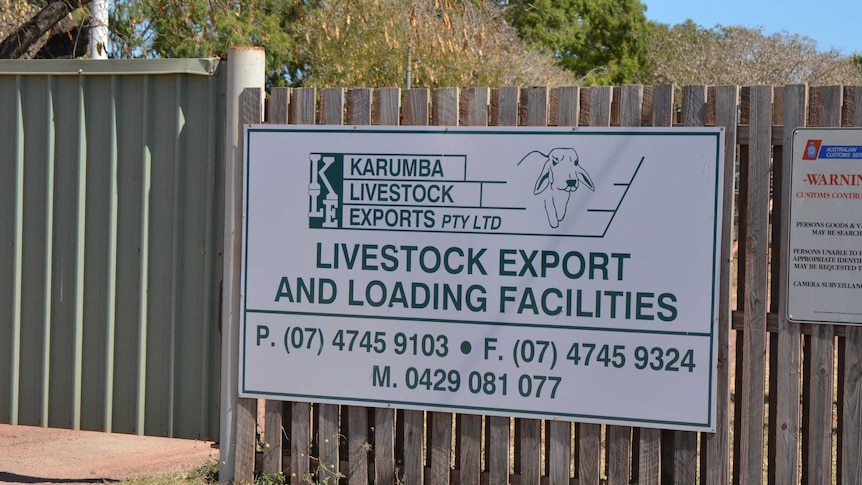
203 475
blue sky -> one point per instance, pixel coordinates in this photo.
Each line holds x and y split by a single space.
832 23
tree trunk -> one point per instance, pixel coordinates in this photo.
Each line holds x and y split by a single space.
17 43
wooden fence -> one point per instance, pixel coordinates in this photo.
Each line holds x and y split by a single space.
789 395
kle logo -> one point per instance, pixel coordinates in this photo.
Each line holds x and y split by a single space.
324 189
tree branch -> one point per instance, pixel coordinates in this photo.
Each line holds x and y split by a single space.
17 43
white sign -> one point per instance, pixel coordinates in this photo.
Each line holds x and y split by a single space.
825 230
553 273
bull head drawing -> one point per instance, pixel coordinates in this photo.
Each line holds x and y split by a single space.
561 175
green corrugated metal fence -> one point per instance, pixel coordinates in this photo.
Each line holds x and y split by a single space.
111 219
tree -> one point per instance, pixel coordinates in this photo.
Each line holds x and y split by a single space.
207 28
17 43
12 14
373 42
691 54
602 40
337 43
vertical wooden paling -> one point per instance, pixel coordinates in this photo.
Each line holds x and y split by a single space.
386 106
534 112
649 440
851 445
600 106
274 410
840 402
386 111
445 107
516 449
303 106
590 435
714 446
840 331
616 105
558 435
775 204
246 414
586 99
820 349
648 105
415 107
474 112
756 246
775 252
813 100
279 105
414 444
444 112
741 258
358 113
850 449
440 447
567 106
504 112
331 106
281 101
558 450
849 105
384 446
302 111
837 96
504 106
787 368
772 296
328 436
415 113
619 438
685 442
662 105
473 107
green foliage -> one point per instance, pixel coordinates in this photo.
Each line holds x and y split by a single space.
372 43
203 475
207 28
603 41
688 53
270 479
206 474
342 43
323 476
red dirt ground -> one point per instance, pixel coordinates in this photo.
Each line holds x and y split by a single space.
30 454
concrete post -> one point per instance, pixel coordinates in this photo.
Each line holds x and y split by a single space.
246 67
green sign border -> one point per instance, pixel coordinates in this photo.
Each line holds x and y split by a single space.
590 131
